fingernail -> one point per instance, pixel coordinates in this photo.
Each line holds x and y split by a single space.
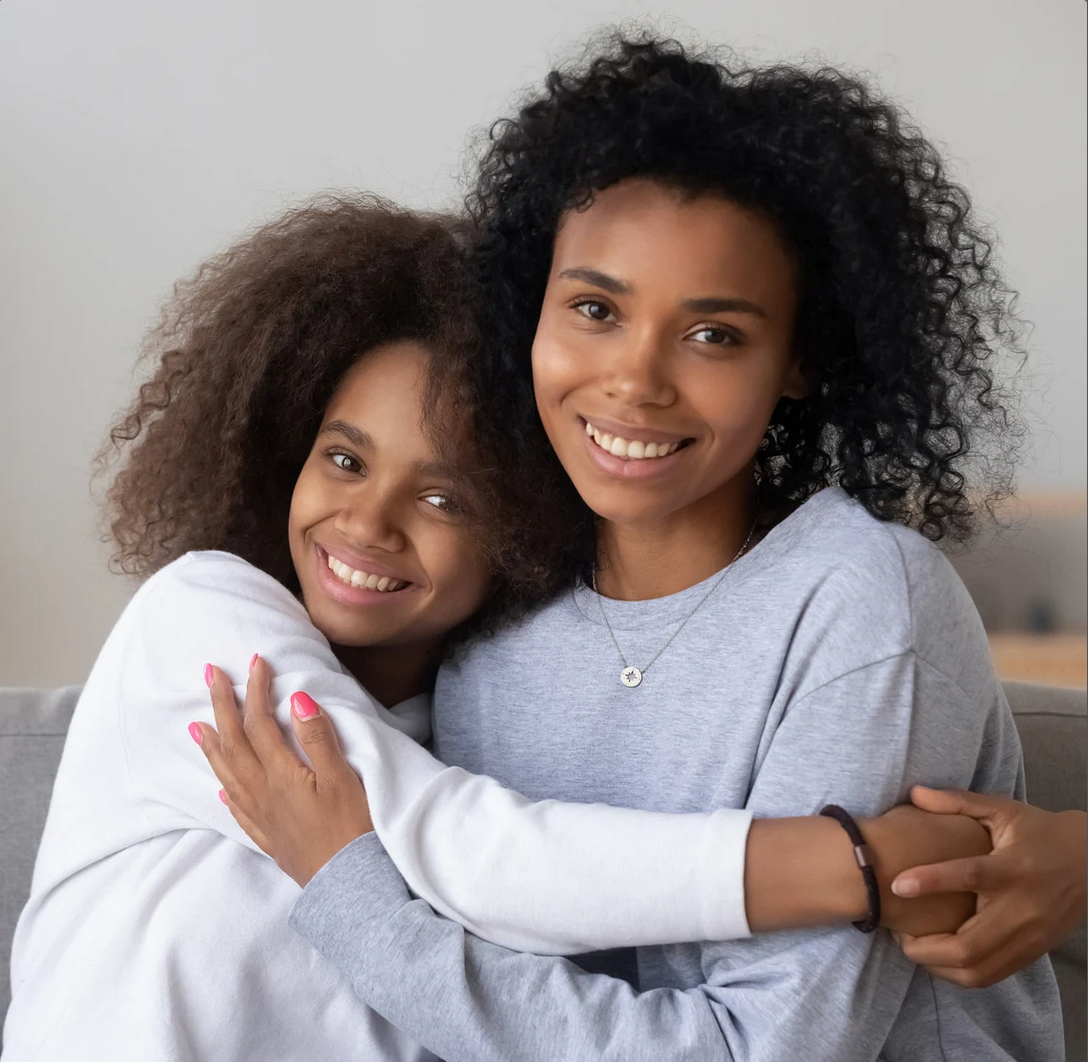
304 706
253 662
195 733
223 795
208 674
907 887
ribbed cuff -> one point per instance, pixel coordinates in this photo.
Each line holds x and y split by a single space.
359 887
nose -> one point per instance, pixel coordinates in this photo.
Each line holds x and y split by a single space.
371 519
639 370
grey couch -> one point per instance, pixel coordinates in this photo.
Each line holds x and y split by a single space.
33 724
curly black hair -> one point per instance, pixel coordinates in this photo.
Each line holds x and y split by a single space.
902 311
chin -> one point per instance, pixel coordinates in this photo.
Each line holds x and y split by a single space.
626 506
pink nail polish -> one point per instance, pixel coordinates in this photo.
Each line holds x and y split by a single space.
253 662
208 675
304 706
223 795
195 733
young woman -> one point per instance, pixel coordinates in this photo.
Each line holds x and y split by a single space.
757 324
308 431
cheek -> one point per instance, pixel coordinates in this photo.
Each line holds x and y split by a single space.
460 574
304 504
736 401
556 364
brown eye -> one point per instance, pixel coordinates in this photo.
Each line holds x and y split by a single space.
713 335
442 502
595 311
345 462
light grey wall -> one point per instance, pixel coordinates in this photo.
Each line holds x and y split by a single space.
137 137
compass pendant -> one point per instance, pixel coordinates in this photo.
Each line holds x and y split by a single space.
630 677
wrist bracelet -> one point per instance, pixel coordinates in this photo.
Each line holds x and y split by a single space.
864 855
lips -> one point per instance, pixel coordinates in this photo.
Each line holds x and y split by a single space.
363 580
353 580
632 468
633 449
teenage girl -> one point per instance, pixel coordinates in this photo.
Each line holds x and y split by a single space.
757 323
308 432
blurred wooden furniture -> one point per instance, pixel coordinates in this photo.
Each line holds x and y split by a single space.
1050 659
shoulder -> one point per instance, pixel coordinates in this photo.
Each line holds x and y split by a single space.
213 607
212 580
886 589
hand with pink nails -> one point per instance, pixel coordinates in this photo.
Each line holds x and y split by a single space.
299 815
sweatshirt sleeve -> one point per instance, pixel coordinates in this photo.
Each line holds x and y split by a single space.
825 995
545 876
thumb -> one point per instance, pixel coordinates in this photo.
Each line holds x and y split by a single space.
986 808
315 733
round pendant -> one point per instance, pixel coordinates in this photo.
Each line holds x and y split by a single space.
630 677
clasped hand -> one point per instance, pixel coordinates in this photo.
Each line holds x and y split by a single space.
299 814
1031 888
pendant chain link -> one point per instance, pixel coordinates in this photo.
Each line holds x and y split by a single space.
632 676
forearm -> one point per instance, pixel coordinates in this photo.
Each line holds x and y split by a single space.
802 872
470 1001
559 878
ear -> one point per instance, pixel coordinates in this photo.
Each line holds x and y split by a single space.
796 384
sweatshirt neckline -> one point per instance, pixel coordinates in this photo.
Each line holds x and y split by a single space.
673 608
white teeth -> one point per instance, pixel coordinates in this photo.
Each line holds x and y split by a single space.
360 580
631 449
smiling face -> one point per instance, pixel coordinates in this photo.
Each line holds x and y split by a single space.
383 555
664 344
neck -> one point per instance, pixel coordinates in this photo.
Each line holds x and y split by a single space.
637 562
391 673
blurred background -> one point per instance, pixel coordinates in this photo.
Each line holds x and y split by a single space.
139 137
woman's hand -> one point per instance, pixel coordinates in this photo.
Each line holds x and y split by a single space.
1031 889
300 816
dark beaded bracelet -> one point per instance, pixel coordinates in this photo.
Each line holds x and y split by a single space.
864 855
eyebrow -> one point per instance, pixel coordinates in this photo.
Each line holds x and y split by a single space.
598 279
722 305
712 304
364 441
356 436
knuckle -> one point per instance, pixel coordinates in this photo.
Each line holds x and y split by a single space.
958 954
958 977
234 792
1038 914
972 877
251 724
315 734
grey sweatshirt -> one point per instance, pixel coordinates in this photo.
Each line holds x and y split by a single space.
842 661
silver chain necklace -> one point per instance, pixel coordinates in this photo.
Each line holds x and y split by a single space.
632 676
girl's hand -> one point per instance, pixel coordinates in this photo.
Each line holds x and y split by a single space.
906 836
299 816
1031 889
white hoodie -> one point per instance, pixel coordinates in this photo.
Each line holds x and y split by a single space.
157 930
